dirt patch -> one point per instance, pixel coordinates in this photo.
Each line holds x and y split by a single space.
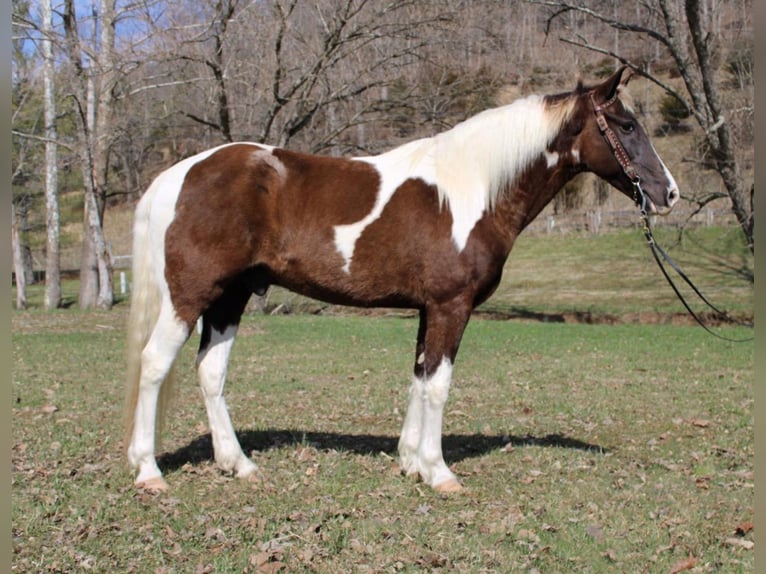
711 319
637 318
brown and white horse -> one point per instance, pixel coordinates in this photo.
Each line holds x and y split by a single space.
428 226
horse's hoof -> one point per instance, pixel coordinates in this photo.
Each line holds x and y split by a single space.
253 477
153 485
449 486
248 471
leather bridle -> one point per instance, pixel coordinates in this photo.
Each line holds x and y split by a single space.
617 148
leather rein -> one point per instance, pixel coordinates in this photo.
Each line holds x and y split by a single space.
639 197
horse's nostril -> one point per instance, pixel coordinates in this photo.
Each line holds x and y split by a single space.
673 196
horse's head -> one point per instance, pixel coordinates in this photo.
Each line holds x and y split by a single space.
613 145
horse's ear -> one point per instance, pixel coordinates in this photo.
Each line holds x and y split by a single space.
610 87
580 88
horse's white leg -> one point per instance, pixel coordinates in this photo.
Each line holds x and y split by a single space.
212 363
431 463
420 449
409 440
157 358
420 444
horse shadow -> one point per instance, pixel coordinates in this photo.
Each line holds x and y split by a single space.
456 447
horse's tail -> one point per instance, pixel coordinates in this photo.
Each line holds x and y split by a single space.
145 303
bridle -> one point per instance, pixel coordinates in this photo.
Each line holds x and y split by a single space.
640 199
614 142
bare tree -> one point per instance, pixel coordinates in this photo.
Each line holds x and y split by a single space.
690 38
281 68
92 100
52 225
353 50
18 261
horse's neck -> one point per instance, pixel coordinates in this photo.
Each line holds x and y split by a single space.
525 198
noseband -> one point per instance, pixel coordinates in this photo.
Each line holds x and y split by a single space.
639 197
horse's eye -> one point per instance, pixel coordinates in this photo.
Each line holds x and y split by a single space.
628 127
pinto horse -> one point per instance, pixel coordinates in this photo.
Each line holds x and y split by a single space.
426 226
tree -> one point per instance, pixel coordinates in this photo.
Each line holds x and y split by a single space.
274 71
690 34
18 260
92 100
52 226
23 97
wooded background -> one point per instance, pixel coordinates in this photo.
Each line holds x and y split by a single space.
108 93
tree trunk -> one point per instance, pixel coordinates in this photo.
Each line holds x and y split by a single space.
93 101
18 263
717 129
52 255
88 269
101 145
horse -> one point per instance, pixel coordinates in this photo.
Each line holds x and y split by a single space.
426 226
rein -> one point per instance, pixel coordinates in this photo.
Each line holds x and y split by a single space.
640 199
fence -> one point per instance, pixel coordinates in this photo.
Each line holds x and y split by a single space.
596 221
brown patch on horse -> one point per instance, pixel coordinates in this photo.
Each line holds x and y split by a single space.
228 220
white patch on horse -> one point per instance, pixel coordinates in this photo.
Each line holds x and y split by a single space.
410 161
266 156
672 186
551 158
479 157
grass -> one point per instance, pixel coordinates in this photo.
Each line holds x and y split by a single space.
588 448
615 272
582 448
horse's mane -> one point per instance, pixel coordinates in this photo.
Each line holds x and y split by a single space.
482 155
473 162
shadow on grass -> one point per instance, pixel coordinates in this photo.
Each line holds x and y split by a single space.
456 447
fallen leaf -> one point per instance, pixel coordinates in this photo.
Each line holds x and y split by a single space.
746 544
260 559
701 423
744 528
686 564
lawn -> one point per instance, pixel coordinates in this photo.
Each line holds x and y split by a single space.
625 445
587 448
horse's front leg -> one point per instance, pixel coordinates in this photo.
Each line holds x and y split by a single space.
420 447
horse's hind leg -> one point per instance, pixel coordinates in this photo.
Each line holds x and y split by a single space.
167 338
220 324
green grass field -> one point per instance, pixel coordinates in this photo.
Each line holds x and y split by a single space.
582 448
